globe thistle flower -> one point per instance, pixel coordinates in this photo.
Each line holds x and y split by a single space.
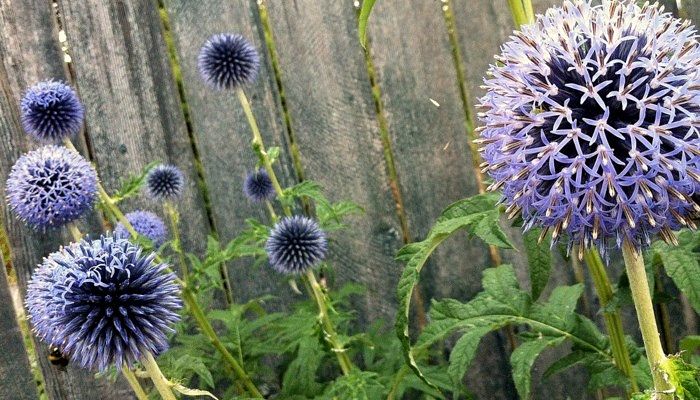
296 244
146 224
591 123
165 182
51 186
103 303
51 111
258 186
227 61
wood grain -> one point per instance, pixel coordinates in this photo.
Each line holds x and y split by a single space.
31 54
333 118
222 132
16 378
133 114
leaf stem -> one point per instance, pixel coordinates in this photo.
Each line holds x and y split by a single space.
613 321
328 330
163 386
208 331
134 383
639 285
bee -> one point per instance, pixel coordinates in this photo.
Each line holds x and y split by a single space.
57 358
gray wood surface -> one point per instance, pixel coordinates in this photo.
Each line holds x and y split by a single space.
222 132
132 108
30 53
16 378
334 122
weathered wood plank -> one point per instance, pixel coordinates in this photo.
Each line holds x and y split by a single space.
413 59
221 130
132 109
16 378
31 53
333 118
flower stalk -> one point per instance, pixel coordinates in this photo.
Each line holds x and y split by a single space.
134 383
163 386
174 219
613 320
310 281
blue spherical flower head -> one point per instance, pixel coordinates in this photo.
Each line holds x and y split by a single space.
103 303
296 244
227 61
258 186
146 224
165 182
591 123
51 186
51 111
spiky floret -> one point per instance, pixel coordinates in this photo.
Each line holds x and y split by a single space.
146 224
258 186
227 61
51 186
165 182
591 123
103 303
51 111
296 244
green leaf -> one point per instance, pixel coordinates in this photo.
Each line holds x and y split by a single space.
463 353
365 11
539 260
564 363
464 214
358 385
131 185
524 357
682 266
684 377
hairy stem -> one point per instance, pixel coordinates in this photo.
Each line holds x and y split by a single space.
639 285
174 219
163 386
613 321
328 330
134 383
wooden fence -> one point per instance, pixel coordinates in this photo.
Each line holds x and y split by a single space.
387 129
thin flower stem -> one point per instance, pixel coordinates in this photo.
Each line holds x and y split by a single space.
163 386
134 383
271 210
174 219
259 145
74 231
613 321
208 331
522 11
639 285
328 330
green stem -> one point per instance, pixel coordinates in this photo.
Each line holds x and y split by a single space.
639 285
271 210
134 383
174 219
522 11
209 332
259 145
613 321
328 330
162 385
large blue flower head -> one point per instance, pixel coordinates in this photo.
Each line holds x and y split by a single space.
146 224
51 111
296 244
103 303
258 186
165 182
591 123
227 61
51 186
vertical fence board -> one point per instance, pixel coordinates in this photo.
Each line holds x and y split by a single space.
16 378
132 109
332 113
413 59
222 132
30 53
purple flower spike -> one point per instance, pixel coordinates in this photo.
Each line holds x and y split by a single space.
146 224
296 244
227 61
591 123
103 303
51 186
51 111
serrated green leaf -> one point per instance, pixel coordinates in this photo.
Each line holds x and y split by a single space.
365 12
524 357
358 385
273 154
564 363
684 377
463 353
132 184
539 261
681 265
